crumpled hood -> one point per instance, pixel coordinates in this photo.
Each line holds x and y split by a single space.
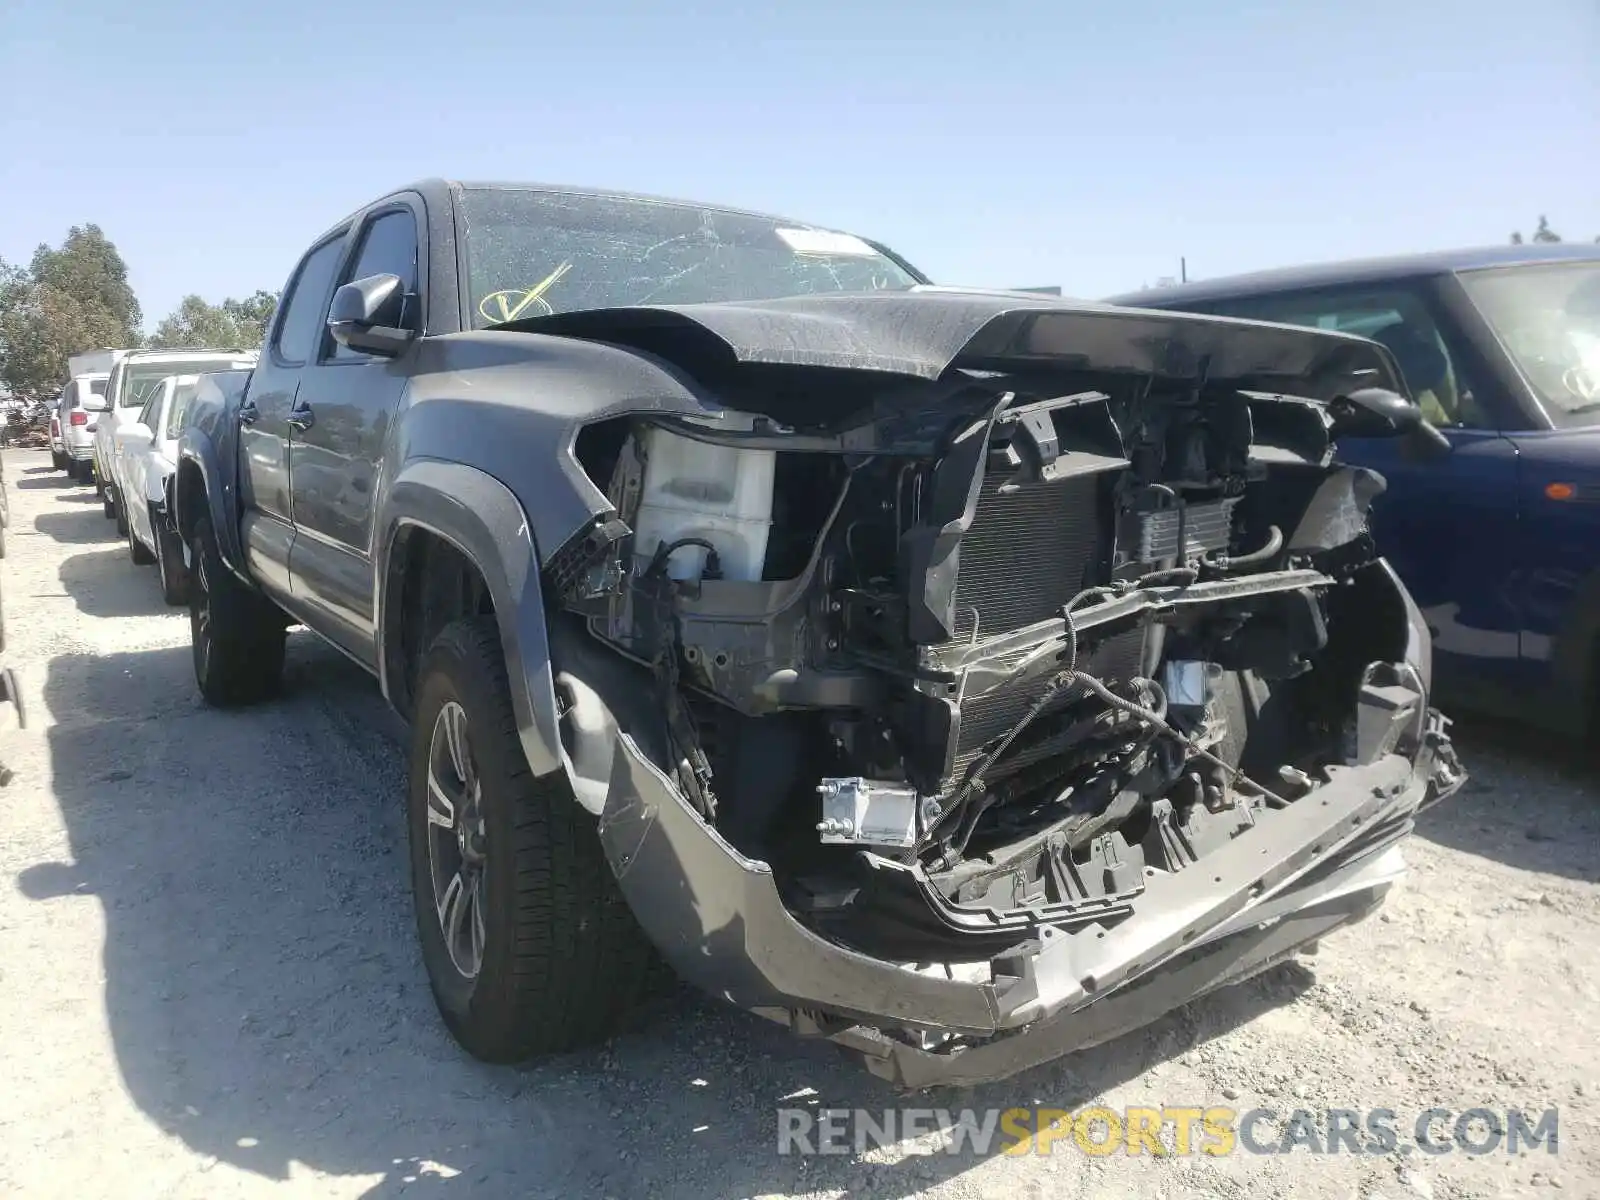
924 332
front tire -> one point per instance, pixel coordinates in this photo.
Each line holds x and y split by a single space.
529 946
237 633
117 514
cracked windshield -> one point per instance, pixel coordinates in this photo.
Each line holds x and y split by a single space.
754 602
533 253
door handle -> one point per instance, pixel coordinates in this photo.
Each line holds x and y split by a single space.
248 412
301 417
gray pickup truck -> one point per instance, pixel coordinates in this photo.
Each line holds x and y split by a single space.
966 677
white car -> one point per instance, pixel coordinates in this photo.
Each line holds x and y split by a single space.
143 461
134 379
72 424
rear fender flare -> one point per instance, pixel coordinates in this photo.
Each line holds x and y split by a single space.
202 466
480 516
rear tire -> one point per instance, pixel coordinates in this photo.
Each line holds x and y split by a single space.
559 959
169 561
117 514
237 633
137 550
58 460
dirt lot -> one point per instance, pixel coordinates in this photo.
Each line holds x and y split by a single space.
209 985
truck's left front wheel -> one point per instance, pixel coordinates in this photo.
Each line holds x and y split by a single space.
529 945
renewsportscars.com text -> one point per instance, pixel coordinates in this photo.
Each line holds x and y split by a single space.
1172 1130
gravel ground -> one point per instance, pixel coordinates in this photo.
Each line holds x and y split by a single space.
209 985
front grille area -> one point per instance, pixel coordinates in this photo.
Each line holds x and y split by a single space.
1029 550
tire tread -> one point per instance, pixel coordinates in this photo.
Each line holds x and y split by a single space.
247 634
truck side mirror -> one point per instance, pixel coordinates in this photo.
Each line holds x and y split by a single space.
366 315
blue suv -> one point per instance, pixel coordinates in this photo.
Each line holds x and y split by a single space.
1498 539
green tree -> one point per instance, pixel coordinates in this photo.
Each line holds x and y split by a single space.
254 311
195 324
88 271
70 299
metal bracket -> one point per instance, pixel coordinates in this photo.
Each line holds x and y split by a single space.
858 811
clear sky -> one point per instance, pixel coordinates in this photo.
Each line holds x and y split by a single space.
990 141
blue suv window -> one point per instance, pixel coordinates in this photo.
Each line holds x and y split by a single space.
1398 318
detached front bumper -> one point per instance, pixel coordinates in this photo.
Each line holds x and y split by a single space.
1324 861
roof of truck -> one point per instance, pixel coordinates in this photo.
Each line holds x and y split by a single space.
439 189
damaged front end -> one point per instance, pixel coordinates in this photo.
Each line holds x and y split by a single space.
985 717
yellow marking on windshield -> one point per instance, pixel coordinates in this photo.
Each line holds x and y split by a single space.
509 304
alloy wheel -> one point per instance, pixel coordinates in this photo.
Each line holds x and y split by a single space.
457 858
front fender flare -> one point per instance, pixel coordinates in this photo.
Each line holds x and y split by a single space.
481 517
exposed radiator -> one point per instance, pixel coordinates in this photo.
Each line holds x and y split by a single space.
1028 551
985 719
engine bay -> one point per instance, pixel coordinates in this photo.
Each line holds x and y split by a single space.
981 660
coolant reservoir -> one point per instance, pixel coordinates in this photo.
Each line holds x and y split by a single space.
695 489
